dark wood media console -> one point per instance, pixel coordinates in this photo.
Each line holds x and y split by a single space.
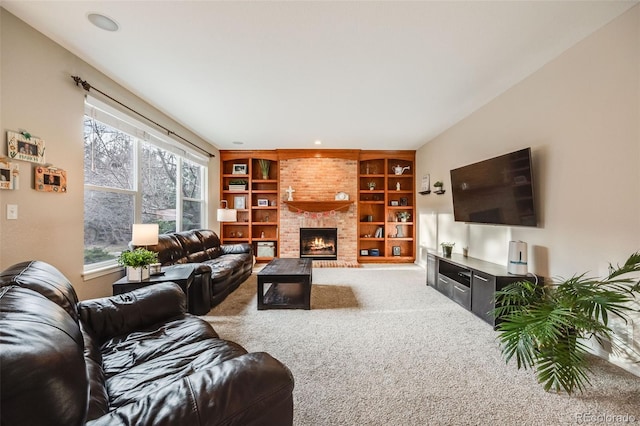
470 282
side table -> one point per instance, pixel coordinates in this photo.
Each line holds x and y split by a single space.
180 274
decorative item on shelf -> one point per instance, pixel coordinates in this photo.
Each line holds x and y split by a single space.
371 185
403 216
262 234
342 196
239 234
232 234
394 203
447 249
290 192
374 252
397 186
547 329
396 250
239 169
239 202
425 187
274 203
23 146
404 201
263 202
379 232
465 251
398 170
399 231
50 179
137 263
225 214
264 167
364 252
438 185
237 185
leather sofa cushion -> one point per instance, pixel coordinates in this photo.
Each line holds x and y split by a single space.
210 242
192 245
168 248
127 312
46 280
147 360
41 357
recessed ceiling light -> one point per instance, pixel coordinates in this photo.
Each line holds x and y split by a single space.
237 143
318 142
103 22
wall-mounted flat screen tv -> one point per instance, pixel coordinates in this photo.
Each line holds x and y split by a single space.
496 191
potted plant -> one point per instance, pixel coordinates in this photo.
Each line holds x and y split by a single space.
438 187
403 216
137 263
547 328
447 248
264 168
237 185
371 185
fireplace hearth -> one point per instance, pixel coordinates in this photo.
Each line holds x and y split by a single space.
319 243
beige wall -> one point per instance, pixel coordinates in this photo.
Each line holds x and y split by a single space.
580 114
38 95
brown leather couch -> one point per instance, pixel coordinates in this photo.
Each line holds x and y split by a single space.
131 359
220 268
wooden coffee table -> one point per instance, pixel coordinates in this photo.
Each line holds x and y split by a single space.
289 284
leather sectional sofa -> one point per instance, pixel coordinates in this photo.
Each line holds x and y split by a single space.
220 268
131 359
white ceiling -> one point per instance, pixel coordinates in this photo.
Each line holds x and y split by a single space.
362 75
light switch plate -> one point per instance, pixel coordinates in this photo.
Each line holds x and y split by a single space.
12 211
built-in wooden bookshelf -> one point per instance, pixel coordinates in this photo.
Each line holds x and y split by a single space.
257 204
386 187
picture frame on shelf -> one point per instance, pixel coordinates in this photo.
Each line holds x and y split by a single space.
263 202
394 203
396 250
364 252
239 202
404 201
239 169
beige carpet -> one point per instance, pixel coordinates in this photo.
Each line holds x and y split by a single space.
378 347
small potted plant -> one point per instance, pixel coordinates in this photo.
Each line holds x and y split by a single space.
447 248
237 185
403 216
438 187
371 185
264 167
137 263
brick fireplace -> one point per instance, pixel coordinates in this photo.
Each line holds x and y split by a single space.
319 179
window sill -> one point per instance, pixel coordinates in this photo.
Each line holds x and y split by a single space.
96 271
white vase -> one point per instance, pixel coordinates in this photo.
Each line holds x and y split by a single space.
137 274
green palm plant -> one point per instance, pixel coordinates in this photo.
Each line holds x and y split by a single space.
546 328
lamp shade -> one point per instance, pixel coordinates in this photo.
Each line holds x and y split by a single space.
144 234
227 215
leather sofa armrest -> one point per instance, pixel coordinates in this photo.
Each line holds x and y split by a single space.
251 389
121 314
236 248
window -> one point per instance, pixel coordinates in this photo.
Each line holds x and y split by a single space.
132 176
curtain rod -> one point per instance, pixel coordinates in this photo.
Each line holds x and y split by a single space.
86 86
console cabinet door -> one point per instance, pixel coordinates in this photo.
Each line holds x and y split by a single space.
444 285
483 287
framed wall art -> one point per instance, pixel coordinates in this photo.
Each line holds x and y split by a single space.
9 174
50 179
23 146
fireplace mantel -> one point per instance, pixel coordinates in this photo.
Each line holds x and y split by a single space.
317 206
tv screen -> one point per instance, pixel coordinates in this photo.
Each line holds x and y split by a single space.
496 191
